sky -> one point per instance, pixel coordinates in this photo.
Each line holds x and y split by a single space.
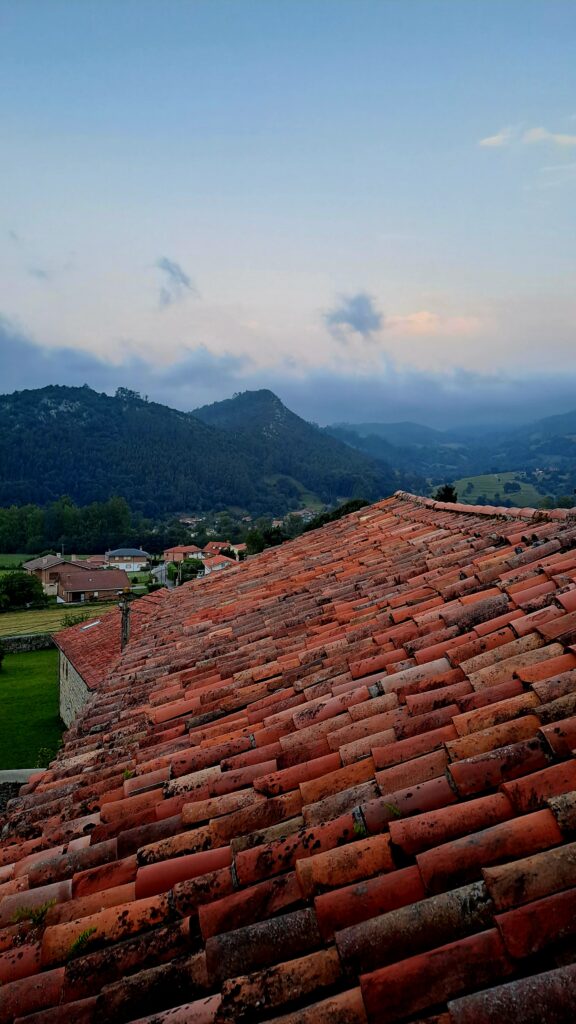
367 206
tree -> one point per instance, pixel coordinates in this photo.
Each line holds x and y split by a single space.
190 568
228 552
255 542
446 493
21 590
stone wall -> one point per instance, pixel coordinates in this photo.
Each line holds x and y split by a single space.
27 642
73 691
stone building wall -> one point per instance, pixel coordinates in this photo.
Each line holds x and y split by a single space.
73 691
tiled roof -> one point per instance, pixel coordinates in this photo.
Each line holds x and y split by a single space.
181 549
120 552
93 646
219 560
337 785
43 562
98 579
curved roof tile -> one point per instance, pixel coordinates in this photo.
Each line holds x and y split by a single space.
340 778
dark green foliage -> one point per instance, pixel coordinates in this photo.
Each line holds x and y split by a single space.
284 444
74 619
94 528
60 440
446 493
228 553
190 569
255 542
331 517
20 589
2 654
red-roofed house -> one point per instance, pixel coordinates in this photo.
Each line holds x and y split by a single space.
87 585
182 552
89 650
216 563
48 569
214 547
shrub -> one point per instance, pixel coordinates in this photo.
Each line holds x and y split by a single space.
75 618
446 493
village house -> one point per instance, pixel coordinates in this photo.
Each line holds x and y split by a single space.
217 562
214 547
89 649
47 568
95 561
129 559
86 585
239 550
183 552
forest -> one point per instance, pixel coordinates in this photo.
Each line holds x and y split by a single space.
90 446
66 527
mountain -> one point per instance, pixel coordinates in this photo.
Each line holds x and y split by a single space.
293 454
250 452
543 452
397 434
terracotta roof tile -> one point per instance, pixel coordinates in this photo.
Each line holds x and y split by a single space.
339 777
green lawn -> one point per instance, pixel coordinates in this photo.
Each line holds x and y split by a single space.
30 725
13 561
47 620
491 485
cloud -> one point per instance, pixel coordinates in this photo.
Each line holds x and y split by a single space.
195 379
355 313
425 323
502 138
177 283
535 135
441 400
388 393
527 136
38 273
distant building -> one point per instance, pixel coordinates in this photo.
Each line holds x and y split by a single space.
214 547
239 549
216 563
48 569
85 585
182 552
95 561
129 559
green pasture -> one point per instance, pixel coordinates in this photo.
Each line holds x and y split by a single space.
46 620
30 725
491 487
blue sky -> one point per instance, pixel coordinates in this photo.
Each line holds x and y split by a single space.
367 205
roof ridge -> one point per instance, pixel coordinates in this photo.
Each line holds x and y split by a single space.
539 515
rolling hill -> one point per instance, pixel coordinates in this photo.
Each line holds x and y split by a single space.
250 452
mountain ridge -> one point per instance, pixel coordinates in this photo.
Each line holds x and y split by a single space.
61 440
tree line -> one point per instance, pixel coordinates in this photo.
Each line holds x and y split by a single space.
67 527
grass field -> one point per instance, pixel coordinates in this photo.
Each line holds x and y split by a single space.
13 561
491 485
46 620
30 725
